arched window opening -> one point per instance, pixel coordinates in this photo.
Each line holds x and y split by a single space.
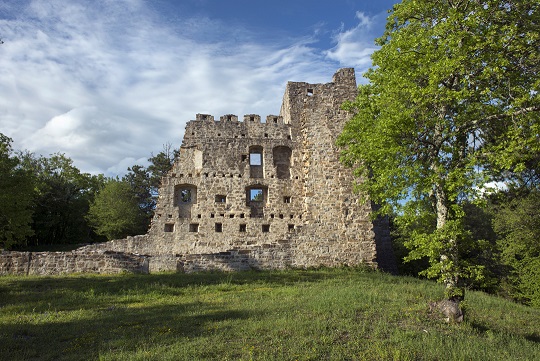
185 195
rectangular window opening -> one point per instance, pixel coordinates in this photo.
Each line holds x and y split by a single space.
220 198
243 228
219 227
286 199
194 227
291 227
266 228
169 227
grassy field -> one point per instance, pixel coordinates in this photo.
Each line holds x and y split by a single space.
327 314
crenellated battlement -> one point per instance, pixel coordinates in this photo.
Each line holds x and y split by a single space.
232 118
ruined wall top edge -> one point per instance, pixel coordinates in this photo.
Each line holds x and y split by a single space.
232 118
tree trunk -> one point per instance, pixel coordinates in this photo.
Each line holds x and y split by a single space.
453 292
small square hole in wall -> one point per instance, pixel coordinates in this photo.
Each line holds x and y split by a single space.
291 227
281 216
212 215
220 198
231 215
275 120
219 227
169 227
266 228
199 215
266 135
286 199
194 227
242 215
243 228
310 92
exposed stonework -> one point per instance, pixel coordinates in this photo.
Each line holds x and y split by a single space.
259 194
55 263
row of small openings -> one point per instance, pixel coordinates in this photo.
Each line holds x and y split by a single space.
218 227
230 117
240 215
243 135
243 215
220 175
255 194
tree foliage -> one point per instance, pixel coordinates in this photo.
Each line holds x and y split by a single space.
126 207
452 103
62 197
145 181
16 198
517 221
115 211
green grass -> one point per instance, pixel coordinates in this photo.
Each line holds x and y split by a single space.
327 314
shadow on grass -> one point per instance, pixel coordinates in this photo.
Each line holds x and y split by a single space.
81 316
483 329
109 329
28 294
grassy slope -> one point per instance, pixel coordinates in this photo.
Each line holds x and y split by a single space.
343 314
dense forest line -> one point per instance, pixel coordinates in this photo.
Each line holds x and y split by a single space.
49 201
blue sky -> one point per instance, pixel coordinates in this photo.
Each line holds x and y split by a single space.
108 82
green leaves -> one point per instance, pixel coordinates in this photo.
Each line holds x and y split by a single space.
452 104
115 211
16 198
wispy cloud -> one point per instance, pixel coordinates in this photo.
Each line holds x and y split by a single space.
355 46
108 82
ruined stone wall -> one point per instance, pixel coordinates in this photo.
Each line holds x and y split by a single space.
306 198
55 263
254 193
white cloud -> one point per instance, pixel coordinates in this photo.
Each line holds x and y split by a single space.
355 46
109 82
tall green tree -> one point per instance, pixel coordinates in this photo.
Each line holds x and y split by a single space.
16 198
145 181
62 198
115 211
452 104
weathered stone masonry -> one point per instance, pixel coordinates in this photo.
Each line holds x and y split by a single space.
261 193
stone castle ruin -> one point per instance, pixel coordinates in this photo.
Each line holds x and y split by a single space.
254 194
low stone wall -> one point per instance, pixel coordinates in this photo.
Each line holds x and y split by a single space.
55 263
100 259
